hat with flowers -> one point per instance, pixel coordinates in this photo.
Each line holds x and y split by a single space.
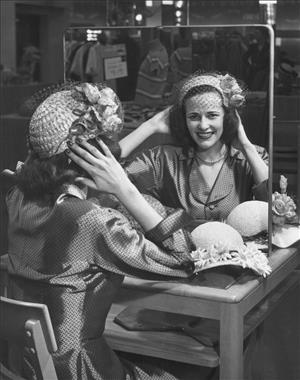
285 219
218 244
227 86
86 110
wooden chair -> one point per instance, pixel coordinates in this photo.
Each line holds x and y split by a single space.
28 326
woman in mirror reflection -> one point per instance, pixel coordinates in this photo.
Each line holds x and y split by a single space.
72 254
212 166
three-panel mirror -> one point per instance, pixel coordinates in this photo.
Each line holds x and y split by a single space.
143 65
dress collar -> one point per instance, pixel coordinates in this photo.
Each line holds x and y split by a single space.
73 190
232 153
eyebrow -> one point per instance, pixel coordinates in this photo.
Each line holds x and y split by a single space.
209 111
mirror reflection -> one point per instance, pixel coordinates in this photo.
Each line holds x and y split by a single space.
143 65
146 66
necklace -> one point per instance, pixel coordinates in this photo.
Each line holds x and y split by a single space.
211 163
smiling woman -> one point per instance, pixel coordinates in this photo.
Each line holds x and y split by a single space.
215 166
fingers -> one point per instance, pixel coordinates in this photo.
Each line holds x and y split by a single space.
94 151
165 112
80 161
105 148
8 173
84 151
237 115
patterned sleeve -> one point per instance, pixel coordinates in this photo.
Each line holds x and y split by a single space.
145 170
122 249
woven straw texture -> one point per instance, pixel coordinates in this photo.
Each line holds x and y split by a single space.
50 123
203 80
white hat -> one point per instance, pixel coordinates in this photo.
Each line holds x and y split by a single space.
219 244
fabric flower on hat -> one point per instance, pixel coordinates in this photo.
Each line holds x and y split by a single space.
232 91
237 100
90 92
219 244
102 110
283 206
219 254
286 222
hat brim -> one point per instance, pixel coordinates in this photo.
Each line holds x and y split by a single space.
247 257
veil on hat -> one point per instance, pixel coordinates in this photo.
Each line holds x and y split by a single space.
29 105
232 91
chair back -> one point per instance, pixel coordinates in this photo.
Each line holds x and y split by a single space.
28 325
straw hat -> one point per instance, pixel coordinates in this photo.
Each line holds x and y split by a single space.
219 244
249 218
86 110
226 85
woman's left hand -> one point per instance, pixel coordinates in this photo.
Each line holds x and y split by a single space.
241 141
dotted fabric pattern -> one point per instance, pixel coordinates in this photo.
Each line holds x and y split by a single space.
73 257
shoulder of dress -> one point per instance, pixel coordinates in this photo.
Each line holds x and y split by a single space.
74 206
236 154
172 150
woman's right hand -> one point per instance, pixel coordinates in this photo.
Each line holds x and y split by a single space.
106 172
160 121
109 176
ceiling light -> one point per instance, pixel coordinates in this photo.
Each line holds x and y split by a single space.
263 2
179 4
139 17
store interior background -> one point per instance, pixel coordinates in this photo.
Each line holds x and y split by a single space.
32 57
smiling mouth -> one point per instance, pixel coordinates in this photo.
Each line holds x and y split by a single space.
204 135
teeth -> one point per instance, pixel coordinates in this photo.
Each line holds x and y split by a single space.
208 134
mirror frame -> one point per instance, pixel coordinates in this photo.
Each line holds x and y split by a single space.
270 94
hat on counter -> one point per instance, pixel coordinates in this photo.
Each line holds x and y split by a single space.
86 110
219 244
249 218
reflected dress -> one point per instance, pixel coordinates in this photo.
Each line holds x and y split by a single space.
73 256
173 178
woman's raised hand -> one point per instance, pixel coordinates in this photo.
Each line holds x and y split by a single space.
106 173
160 121
258 167
109 176
241 141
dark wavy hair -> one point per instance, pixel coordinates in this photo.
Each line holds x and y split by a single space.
178 126
42 179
